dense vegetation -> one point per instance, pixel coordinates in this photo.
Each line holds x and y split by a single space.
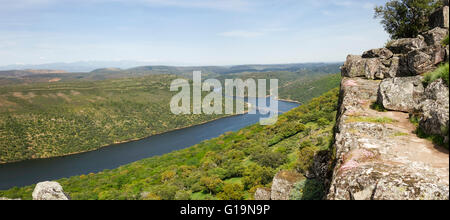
406 18
229 167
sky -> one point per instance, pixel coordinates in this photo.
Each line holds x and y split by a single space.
187 32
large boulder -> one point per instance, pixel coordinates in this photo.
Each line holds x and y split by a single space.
435 109
406 45
353 66
374 69
49 191
262 194
401 93
382 53
440 17
283 183
435 36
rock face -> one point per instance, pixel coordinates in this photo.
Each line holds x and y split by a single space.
401 94
262 194
435 110
49 191
283 183
382 159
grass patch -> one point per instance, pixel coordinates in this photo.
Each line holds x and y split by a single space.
440 73
380 120
399 134
377 107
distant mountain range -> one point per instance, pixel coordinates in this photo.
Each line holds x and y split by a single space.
64 74
82 66
137 66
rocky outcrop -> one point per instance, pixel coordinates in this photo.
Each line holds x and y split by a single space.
400 58
401 93
262 194
378 154
49 191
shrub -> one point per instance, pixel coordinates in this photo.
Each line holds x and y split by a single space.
232 191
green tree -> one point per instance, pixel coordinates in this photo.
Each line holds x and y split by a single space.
406 18
232 192
212 184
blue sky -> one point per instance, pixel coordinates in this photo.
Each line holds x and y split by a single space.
187 32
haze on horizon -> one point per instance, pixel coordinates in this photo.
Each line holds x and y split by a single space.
180 32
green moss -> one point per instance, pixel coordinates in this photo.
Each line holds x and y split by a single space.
399 134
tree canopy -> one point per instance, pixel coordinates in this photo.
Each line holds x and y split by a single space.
406 18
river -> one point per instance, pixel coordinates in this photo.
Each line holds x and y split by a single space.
33 171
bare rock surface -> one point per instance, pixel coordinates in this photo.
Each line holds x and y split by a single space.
49 191
435 110
378 155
